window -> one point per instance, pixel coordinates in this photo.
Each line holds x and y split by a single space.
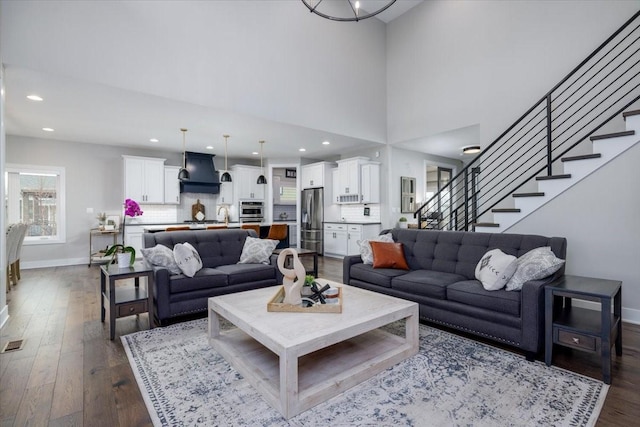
35 196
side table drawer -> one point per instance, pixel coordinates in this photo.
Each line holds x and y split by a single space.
132 308
571 339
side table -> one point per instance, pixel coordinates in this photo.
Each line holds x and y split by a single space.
125 300
302 253
583 329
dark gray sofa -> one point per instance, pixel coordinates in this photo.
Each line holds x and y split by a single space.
178 295
442 281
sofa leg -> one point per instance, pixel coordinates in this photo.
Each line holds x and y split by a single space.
530 355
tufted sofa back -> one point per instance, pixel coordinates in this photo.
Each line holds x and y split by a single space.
215 247
459 251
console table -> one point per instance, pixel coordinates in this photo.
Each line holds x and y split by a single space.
580 328
98 256
125 300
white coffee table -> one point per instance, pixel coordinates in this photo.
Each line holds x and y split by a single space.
298 360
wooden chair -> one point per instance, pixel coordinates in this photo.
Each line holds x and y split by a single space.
13 236
253 227
178 228
216 227
278 231
18 249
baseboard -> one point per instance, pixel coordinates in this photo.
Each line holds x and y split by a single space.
4 316
53 263
629 315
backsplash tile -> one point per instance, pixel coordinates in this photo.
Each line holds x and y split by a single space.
355 213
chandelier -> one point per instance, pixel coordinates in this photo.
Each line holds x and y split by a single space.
343 10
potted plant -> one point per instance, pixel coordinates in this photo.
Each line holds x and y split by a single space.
102 219
126 255
402 222
306 287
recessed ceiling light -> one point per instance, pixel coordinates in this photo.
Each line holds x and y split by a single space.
47 129
34 97
255 153
154 140
209 147
325 143
302 149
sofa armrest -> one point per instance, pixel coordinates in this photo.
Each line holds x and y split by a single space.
532 306
273 260
161 292
347 262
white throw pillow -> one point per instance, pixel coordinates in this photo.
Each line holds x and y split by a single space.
257 251
187 258
161 256
536 264
495 269
365 247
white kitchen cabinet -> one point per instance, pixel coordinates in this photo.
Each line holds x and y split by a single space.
354 235
335 194
293 235
226 193
144 179
342 238
370 183
350 176
171 185
316 175
335 239
245 186
133 237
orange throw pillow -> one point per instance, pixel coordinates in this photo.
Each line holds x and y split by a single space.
388 255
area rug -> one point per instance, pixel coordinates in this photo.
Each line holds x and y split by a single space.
451 381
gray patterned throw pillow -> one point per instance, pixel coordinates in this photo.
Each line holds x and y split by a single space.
257 251
495 269
187 258
536 264
161 256
365 247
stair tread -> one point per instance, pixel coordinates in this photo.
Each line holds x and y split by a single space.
613 135
485 224
505 210
549 177
538 194
630 113
582 157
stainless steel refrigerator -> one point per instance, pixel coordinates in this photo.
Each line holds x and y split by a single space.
312 217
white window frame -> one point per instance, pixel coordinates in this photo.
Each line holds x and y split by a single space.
61 217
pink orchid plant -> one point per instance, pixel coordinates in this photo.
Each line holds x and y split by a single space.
131 208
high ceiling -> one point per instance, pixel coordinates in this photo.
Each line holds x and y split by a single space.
87 110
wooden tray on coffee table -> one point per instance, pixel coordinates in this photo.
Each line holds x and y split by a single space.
276 304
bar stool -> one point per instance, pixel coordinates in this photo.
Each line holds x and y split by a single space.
178 228
253 227
216 227
278 232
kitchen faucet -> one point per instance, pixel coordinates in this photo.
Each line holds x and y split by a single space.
226 213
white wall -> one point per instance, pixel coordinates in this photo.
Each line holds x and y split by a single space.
4 309
94 179
599 218
453 64
269 59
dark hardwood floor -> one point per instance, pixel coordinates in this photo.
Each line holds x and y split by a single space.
69 373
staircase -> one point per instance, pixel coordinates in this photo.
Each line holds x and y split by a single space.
605 148
552 146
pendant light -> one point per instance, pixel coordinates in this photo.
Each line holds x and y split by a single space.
226 176
261 178
183 175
